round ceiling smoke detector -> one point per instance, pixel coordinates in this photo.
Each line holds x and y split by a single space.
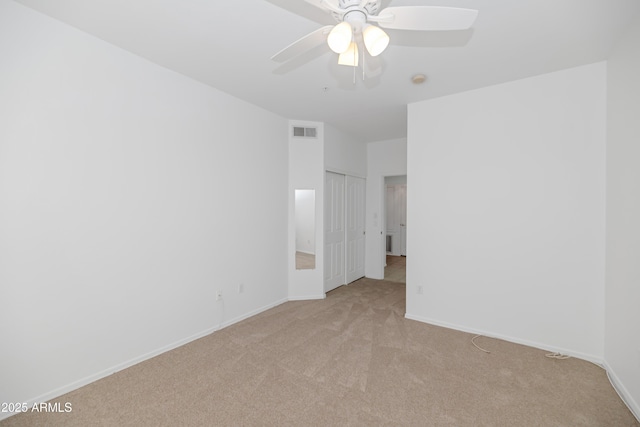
418 79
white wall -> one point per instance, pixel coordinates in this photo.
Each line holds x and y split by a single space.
309 158
506 206
384 158
118 217
622 343
344 154
306 171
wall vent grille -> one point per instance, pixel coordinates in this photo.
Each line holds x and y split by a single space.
302 132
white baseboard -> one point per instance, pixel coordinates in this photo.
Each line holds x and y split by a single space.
579 355
251 314
622 391
307 297
109 371
121 366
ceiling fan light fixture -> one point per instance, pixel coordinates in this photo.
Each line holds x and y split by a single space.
350 56
340 37
375 40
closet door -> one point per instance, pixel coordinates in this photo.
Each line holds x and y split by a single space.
334 231
355 218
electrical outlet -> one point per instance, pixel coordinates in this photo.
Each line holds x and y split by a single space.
241 288
218 295
420 290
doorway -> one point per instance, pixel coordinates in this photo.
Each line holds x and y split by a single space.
344 224
396 269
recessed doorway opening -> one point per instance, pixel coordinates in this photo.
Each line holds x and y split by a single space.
395 250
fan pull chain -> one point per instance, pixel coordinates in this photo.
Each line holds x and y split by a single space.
363 64
354 76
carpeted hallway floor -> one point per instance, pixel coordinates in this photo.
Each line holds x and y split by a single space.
396 269
351 359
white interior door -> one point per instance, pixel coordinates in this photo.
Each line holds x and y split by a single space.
334 231
355 215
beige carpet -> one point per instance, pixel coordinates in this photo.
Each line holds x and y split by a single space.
351 359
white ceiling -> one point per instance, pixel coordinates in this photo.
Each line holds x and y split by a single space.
227 45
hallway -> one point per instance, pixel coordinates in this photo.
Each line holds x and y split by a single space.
396 269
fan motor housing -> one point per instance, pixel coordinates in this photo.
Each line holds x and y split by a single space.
371 8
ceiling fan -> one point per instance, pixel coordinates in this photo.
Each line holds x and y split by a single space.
355 28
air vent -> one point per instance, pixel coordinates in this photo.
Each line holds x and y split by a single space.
305 132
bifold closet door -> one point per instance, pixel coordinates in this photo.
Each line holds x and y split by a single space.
355 218
334 231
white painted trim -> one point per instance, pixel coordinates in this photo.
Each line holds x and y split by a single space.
588 357
613 378
121 366
110 371
307 297
622 391
345 173
251 314
617 385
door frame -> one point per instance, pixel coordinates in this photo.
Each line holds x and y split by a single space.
383 214
331 281
345 274
355 209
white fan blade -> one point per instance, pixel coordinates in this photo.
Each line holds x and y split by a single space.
426 18
304 44
330 5
306 10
